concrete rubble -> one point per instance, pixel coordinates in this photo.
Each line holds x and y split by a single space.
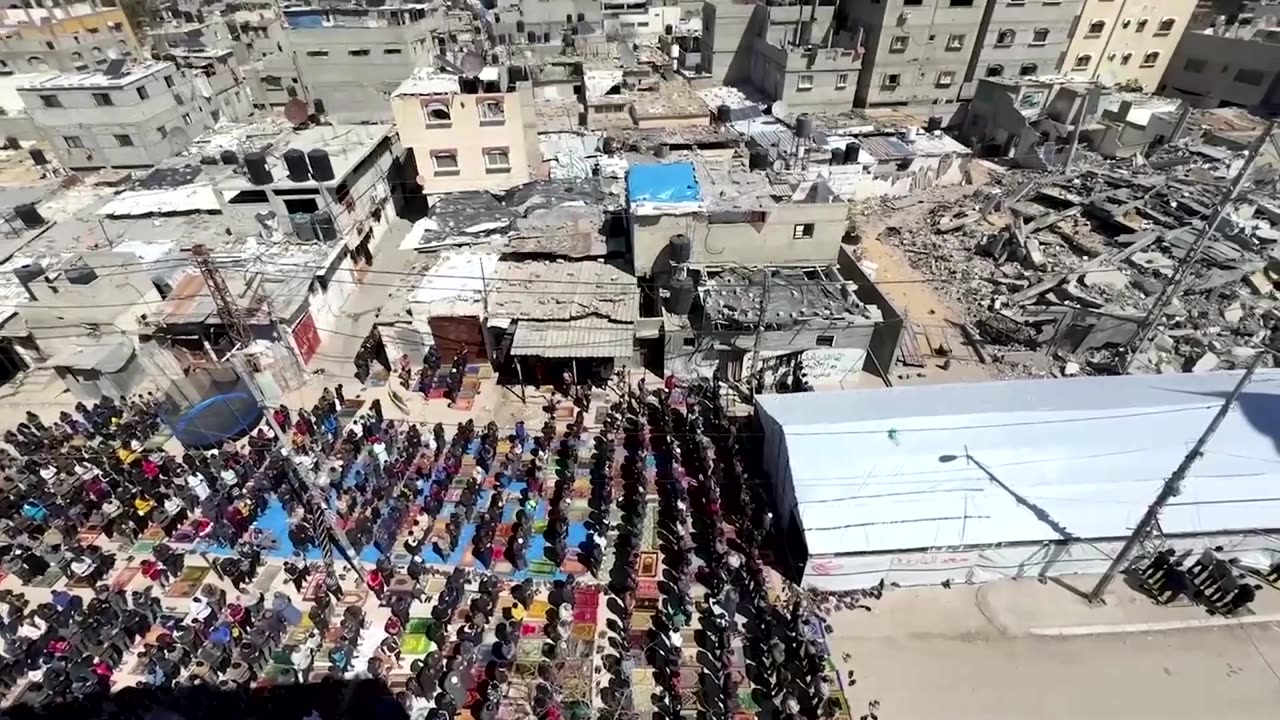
1069 264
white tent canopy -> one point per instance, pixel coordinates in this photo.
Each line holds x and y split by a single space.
896 469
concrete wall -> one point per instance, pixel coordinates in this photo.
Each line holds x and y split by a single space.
996 53
915 61
1207 71
467 137
728 32
19 126
82 41
357 87
158 127
1116 54
722 244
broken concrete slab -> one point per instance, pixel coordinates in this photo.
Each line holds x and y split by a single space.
1108 279
1260 283
1206 363
1233 313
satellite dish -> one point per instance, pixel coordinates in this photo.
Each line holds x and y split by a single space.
296 111
779 165
472 64
779 108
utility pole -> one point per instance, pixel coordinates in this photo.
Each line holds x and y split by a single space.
1173 486
1174 286
755 349
238 329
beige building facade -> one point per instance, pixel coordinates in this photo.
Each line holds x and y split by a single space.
1127 42
467 133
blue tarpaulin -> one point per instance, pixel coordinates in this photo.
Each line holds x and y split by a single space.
669 183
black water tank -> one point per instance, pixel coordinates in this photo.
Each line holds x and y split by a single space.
758 159
519 26
295 162
37 156
680 299
533 36
318 104
582 17
325 229
208 160
568 18
229 157
851 151
546 37
669 30
724 114
321 167
837 156
13 143
255 163
29 215
681 248
80 275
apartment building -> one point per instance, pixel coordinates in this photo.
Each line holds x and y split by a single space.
347 59
792 53
1127 42
63 36
1021 38
917 51
123 116
467 133
1227 65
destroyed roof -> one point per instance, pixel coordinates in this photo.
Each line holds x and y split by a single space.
570 155
556 114
104 355
564 290
732 299
429 81
455 286
670 99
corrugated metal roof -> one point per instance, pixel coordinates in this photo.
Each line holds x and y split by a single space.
594 337
887 147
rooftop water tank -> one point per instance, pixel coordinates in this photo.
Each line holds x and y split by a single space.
295 163
321 166
255 164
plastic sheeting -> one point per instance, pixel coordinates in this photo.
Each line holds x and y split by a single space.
670 188
901 469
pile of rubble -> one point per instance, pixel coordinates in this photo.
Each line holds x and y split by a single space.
1070 265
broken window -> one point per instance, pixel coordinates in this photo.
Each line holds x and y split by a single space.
1028 69
437 112
945 78
1166 26
842 81
1082 62
1096 28
899 43
804 82
802 232
1151 58
891 80
1125 58
491 110
1040 36
1249 77
1005 38
956 41
1142 26
994 71
826 341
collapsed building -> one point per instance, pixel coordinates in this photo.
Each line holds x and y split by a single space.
1069 265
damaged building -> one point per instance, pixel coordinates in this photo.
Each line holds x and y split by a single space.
756 326
1034 120
1069 266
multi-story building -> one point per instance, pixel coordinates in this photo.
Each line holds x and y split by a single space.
797 54
347 59
542 27
467 133
132 116
1026 38
1127 42
917 51
63 36
1228 64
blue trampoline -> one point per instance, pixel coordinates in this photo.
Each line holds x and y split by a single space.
215 420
